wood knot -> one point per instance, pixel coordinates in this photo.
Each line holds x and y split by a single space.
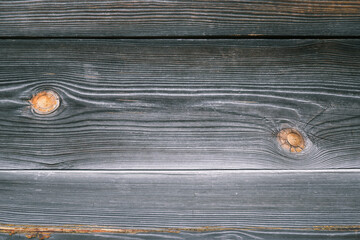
45 102
291 140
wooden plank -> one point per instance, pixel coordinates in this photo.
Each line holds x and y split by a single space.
180 104
288 204
179 18
233 234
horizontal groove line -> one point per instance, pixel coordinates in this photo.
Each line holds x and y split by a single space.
340 170
184 37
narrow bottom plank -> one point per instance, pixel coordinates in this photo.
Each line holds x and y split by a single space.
232 202
228 235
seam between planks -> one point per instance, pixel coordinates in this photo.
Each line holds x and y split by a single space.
219 37
353 170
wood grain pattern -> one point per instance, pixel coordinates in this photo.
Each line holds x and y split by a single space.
285 202
179 18
180 104
176 139
226 235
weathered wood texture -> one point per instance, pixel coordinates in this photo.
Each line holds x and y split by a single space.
179 122
183 199
226 235
180 104
179 18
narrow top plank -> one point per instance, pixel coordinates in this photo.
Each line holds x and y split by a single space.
180 104
179 18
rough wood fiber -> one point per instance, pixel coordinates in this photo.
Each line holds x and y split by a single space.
179 18
226 235
287 200
180 104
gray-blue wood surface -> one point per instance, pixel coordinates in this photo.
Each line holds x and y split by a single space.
169 115
250 204
180 104
176 124
144 18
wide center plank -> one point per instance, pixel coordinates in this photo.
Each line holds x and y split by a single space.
180 104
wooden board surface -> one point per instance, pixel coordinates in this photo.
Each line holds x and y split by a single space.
179 18
260 203
165 138
228 235
180 104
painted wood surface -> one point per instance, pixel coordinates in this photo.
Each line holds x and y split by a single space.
258 203
180 104
179 18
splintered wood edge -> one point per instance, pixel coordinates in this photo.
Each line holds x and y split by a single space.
45 102
43 232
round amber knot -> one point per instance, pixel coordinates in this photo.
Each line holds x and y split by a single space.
291 140
45 102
